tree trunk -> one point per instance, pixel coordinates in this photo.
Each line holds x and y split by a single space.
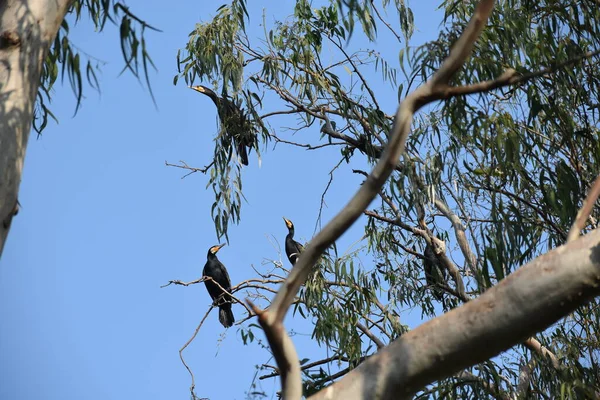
27 29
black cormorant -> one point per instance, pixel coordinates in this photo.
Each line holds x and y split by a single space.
233 120
434 273
292 248
216 270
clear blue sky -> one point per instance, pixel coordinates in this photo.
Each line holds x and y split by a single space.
104 223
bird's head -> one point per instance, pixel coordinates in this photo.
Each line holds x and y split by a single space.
288 223
200 88
214 249
206 91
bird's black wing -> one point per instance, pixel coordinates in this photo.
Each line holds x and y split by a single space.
299 247
434 272
218 273
293 249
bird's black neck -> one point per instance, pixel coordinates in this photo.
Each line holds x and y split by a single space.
291 232
213 96
211 256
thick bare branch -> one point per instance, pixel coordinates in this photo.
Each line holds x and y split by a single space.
284 352
536 347
464 45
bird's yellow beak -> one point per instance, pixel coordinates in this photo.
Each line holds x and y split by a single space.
288 223
216 248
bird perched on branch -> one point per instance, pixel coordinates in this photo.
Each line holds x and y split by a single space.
216 270
234 121
292 248
434 273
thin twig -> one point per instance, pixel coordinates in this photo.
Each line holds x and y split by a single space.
385 22
193 385
208 278
306 145
192 170
318 222
305 366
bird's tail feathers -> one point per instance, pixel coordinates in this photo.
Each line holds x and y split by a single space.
226 315
243 153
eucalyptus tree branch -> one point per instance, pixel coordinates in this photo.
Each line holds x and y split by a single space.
284 112
525 373
208 278
585 210
535 346
380 345
437 245
315 113
434 242
329 182
527 301
307 366
193 385
461 237
306 146
385 22
459 231
396 222
320 113
355 68
192 170
378 326
491 388
283 350
510 77
394 319
272 319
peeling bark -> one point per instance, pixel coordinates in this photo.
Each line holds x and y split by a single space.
27 29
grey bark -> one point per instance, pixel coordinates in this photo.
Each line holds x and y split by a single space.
27 29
